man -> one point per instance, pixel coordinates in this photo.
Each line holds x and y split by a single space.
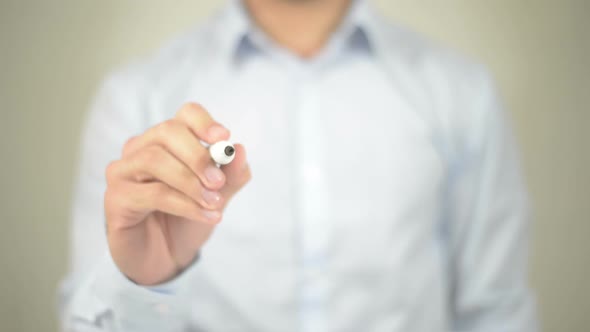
385 193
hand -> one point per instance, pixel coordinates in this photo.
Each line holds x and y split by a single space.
165 195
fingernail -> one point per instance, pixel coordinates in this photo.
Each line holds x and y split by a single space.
211 197
214 174
213 216
217 132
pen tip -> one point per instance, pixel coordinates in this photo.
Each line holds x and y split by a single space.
229 150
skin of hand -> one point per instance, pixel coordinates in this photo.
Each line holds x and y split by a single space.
165 195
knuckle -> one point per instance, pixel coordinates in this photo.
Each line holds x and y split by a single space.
129 144
188 109
158 191
193 106
111 171
150 156
194 112
164 128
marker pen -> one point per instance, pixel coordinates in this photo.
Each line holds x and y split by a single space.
222 152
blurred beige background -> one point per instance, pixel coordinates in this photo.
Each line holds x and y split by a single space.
54 53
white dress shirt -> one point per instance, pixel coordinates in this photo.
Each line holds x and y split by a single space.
386 193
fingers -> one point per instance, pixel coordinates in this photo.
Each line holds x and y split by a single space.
145 198
167 169
201 124
155 163
178 139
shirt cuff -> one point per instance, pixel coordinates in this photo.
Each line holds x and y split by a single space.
138 308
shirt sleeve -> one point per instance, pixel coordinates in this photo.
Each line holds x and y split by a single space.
96 296
489 223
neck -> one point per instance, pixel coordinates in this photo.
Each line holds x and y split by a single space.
301 26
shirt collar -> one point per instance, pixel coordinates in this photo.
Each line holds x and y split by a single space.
239 37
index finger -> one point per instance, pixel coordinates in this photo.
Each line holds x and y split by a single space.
200 122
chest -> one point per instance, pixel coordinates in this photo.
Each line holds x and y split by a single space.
345 191
340 149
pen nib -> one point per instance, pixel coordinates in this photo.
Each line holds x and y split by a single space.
229 151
